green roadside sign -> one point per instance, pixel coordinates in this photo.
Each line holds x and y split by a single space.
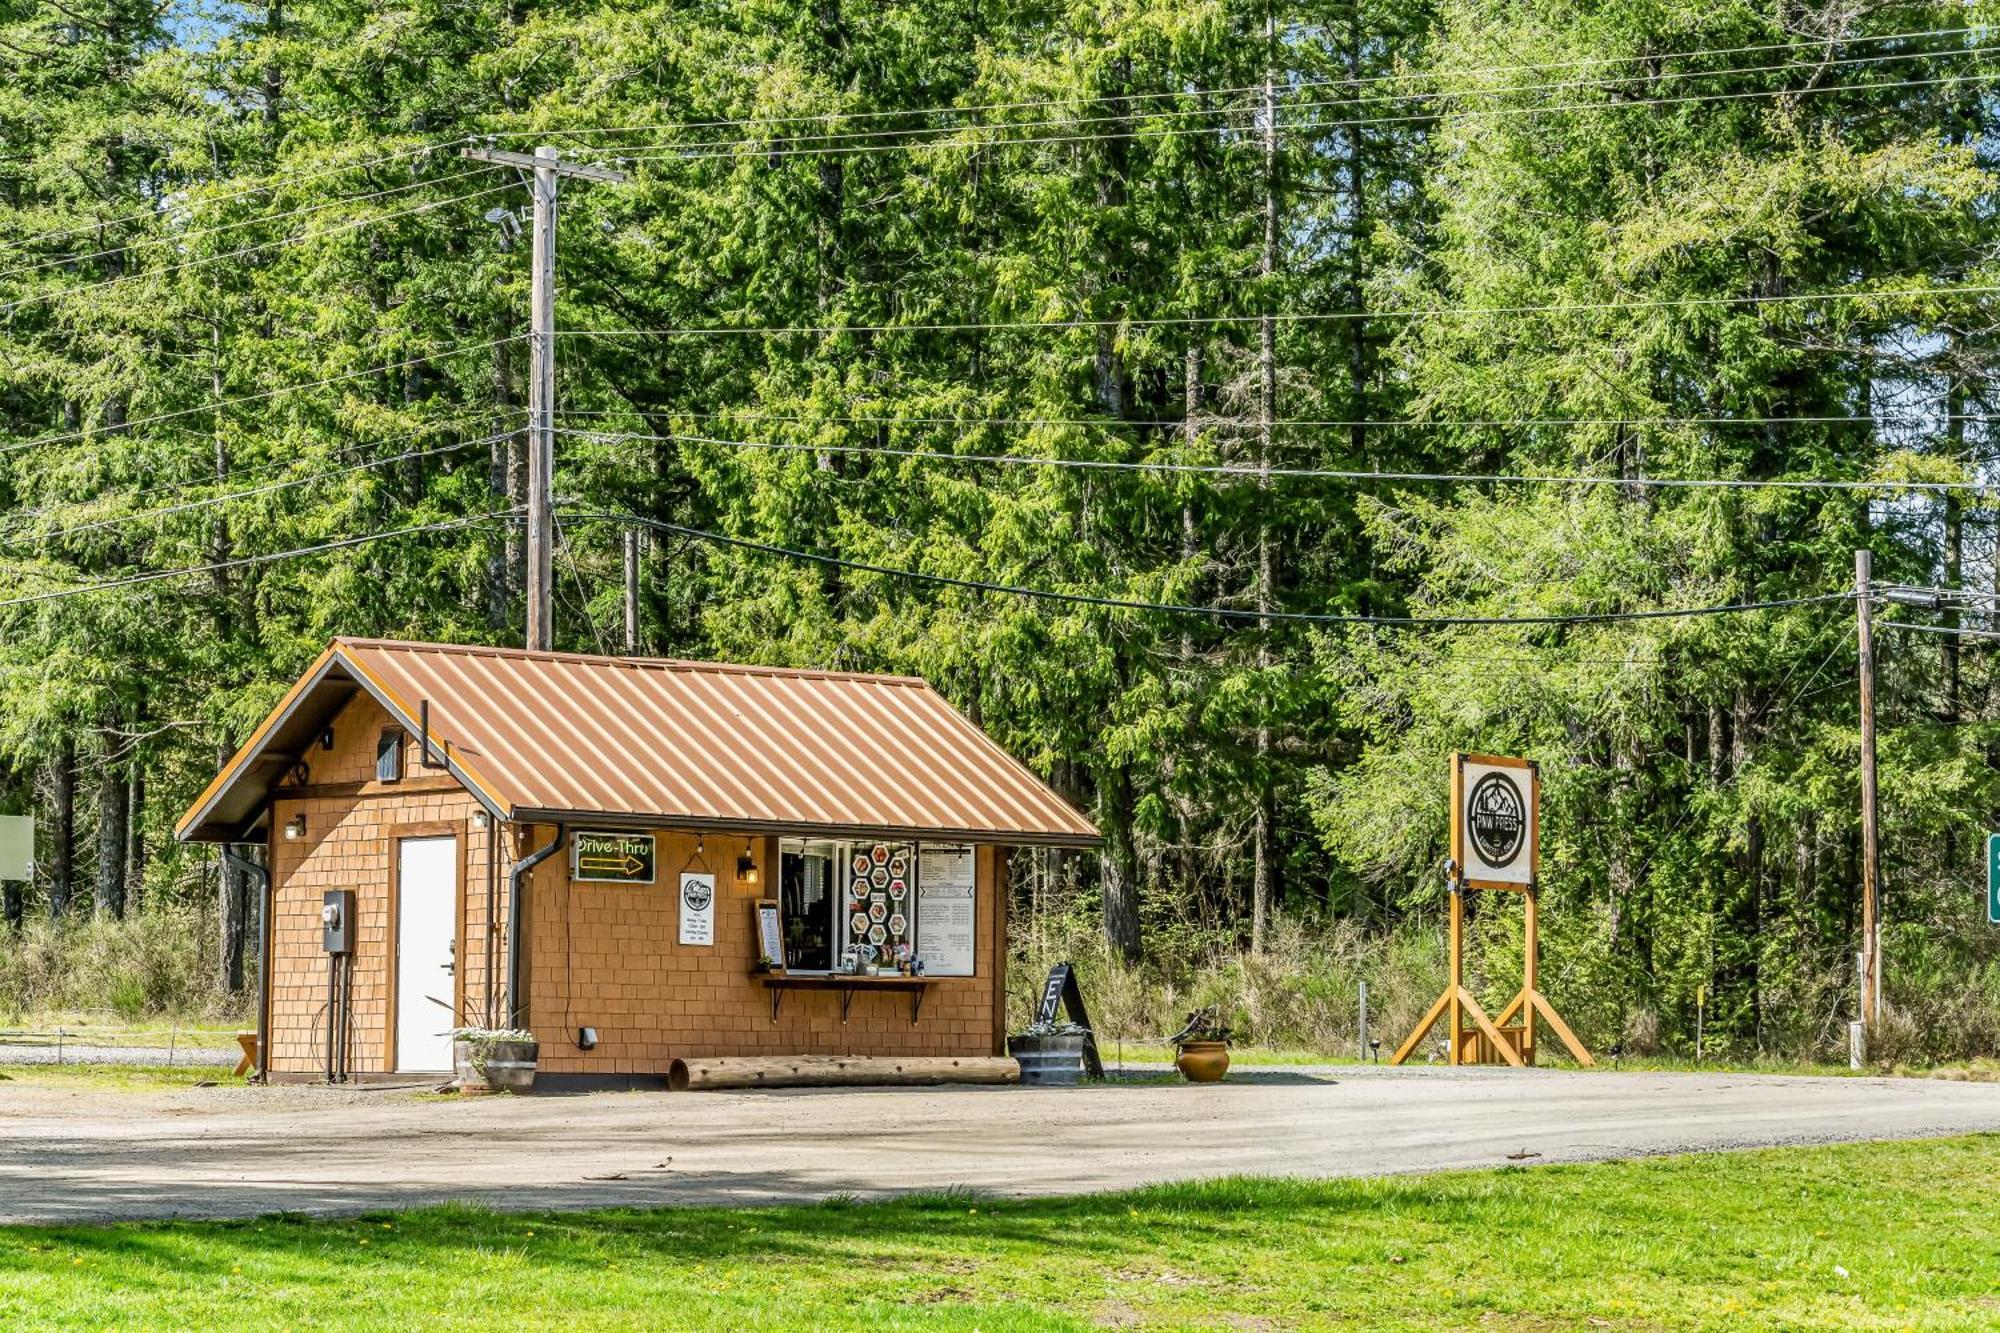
1993 879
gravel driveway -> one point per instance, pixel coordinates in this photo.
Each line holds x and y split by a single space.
233 1151
82 1053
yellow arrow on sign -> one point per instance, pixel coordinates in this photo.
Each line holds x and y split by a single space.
631 865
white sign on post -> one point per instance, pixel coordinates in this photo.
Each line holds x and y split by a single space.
697 907
17 846
1497 820
946 911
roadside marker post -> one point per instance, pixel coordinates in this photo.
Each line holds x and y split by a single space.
1993 879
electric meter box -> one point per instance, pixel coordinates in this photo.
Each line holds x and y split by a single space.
336 919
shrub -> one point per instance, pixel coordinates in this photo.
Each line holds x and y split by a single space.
154 964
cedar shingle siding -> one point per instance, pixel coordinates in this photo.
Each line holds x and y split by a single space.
601 955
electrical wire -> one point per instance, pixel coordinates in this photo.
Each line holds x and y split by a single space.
23 518
1224 613
456 349
834 139
957 140
239 562
1958 631
1461 72
1334 474
1290 317
182 237
123 520
1202 424
270 182
352 224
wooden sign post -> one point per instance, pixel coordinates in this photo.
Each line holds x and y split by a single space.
1496 812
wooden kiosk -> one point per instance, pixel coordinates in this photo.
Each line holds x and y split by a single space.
1495 845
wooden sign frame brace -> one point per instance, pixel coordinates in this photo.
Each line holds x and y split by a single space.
1458 1002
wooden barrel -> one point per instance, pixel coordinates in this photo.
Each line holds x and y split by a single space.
1048 1061
494 1066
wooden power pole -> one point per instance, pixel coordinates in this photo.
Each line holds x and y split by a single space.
545 169
1871 854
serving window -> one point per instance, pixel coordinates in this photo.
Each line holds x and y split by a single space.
844 900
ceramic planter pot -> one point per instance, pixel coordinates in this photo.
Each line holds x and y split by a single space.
1203 1061
494 1066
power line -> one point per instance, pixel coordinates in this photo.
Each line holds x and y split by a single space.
1224 613
1204 423
458 349
352 224
1333 474
1292 317
287 483
270 182
1341 81
1958 631
832 139
23 518
1140 134
338 544
182 237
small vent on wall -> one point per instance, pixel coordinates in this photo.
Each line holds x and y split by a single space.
389 756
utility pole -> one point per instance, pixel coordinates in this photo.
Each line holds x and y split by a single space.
631 592
547 168
1871 854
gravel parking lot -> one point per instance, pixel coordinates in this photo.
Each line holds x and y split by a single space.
232 1151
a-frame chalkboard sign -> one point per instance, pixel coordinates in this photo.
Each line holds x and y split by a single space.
1061 991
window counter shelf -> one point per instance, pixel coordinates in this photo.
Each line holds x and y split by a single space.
780 982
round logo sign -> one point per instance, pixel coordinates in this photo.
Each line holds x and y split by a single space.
697 893
1496 819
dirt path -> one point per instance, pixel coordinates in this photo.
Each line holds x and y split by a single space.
233 1151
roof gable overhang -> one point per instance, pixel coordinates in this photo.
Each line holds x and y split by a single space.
516 731
236 803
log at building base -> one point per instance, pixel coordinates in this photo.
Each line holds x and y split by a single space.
828 1071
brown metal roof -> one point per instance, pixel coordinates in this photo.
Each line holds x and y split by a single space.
561 736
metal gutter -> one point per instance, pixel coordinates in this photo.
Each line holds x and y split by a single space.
262 877
625 819
517 887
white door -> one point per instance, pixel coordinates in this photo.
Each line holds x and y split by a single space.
427 890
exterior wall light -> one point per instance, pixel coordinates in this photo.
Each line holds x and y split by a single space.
480 819
746 870
295 828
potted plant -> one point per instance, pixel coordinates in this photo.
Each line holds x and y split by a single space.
494 1059
1049 1053
1201 1049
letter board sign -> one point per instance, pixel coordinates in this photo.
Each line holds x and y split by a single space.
611 858
1495 820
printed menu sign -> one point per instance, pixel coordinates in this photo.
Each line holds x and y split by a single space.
946 921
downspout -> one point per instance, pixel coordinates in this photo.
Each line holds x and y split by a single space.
517 888
262 879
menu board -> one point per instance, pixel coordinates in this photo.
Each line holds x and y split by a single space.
946 919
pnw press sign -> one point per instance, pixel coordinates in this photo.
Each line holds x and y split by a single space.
611 858
1496 820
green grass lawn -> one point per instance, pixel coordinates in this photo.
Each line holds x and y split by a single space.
114 1078
1889 1236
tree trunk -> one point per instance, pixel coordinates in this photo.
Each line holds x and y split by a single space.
135 837
1261 890
232 908
1120 866
114 799
62 849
